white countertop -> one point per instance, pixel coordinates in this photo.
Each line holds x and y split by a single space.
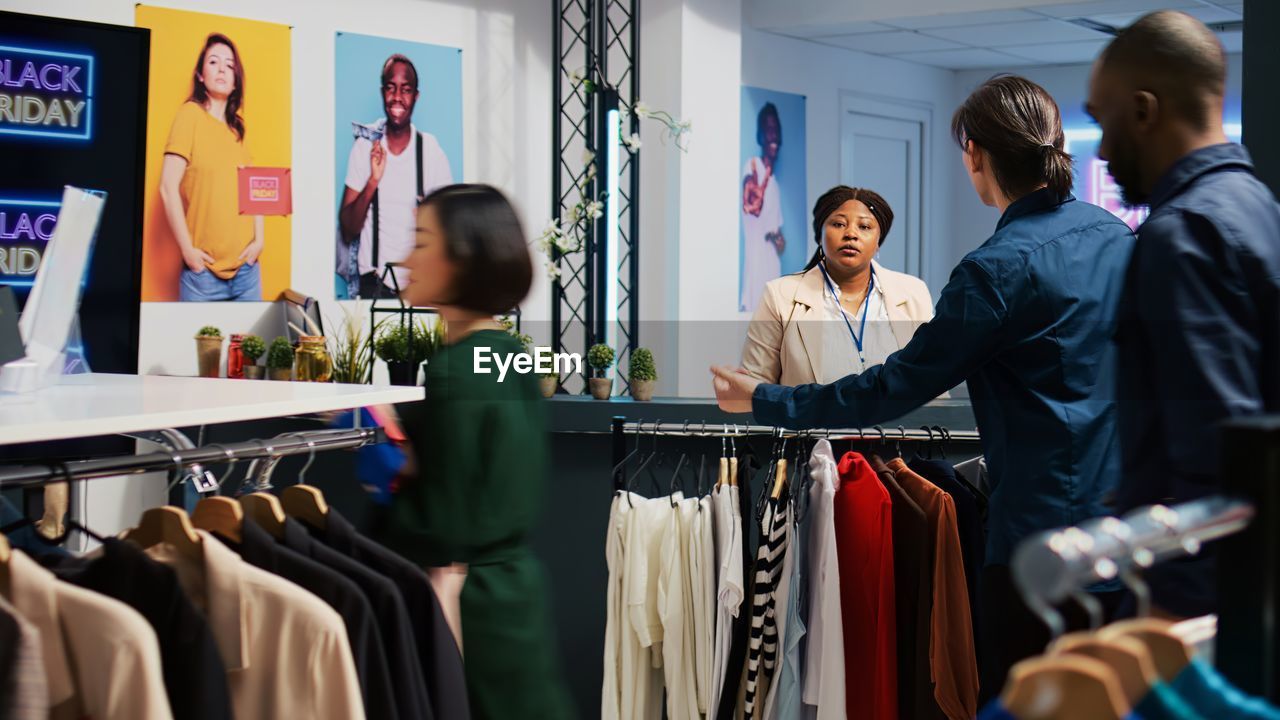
101 404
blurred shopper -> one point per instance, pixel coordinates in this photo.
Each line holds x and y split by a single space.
466 510
1199 338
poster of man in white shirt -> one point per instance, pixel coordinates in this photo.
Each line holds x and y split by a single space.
391 165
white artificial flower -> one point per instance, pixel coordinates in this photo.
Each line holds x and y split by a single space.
588 157
576 76
566 244
594 209
686 126
632 141
641 110
553 271
552 229
575 214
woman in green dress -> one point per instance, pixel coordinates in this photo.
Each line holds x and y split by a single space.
481 450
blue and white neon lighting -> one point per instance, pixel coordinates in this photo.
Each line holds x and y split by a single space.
46 93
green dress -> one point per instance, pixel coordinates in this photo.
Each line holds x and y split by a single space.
482 450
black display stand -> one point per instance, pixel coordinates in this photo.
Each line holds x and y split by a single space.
1248 645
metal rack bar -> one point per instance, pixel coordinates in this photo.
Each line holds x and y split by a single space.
719 430
300 443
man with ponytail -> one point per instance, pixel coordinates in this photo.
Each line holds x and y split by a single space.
1028 320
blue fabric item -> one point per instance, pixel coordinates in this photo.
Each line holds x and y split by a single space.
995 711
1162 702
25 539
376 465
1209 693
789 703
1198 342
1028 320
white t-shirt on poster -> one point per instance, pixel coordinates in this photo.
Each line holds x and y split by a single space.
397 197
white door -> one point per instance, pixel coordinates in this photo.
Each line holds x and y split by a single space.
883 154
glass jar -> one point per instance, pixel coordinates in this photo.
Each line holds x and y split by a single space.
235 358
311 360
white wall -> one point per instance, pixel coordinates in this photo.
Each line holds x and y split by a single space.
822 73
506 69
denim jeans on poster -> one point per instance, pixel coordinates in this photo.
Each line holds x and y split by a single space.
245 286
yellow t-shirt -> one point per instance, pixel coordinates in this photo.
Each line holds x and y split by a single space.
210 186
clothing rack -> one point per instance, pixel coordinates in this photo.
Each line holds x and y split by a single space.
1055 565
620 428
299 443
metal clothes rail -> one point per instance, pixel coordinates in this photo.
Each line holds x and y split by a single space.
299 443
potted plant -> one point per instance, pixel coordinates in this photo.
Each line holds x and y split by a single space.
352 352
280 360
548 383
392 347
209 351
253 347
642 374
600 358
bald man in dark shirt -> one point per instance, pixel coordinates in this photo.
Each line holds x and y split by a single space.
1199 332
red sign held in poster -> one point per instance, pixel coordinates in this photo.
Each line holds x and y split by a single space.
265 191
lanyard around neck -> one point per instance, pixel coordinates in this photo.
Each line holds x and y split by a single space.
861 335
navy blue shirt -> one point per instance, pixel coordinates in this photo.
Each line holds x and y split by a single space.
1199 342
1200 326
1028 320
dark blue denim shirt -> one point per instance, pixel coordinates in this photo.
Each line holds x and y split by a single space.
1028 319
1199 334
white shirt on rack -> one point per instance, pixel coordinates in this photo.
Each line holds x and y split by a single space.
675 609
824 694
615 618
642 638
730 590
702 574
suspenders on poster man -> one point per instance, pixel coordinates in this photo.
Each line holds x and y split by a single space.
376 217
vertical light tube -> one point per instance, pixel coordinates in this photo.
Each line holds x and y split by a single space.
612 170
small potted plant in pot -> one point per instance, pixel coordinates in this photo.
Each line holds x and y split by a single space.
642 374
392 347
253 347
209 351
280 360
548 384
600 358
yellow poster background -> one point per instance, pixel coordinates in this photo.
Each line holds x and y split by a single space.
177 38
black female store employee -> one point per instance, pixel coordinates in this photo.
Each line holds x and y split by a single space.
1027 319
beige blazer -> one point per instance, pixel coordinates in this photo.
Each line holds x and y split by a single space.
784 340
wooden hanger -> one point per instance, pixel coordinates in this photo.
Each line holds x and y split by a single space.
305 503
5 551
779 479
170 525
1168 651
220 515
1063 687
723 479
1128 659
265 510
5 554
733 472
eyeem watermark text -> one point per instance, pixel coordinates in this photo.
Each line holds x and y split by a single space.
542 362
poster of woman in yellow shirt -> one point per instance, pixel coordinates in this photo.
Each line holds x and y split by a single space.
198 245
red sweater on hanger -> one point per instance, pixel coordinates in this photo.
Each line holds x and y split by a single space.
864 552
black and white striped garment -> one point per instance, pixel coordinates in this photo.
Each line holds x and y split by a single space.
762 652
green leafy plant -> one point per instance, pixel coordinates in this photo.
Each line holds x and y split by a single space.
209 331
600 357
280 356
427 340
252 347
352 352
392 343
641 366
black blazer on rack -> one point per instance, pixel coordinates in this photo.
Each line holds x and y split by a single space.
389 608
441 660
260 550
194 675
